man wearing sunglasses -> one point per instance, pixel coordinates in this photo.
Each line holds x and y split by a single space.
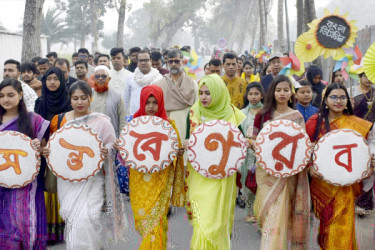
83 55
180 91
107 100
144 75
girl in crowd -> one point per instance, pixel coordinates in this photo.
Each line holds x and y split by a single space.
54 100
337 77
283 218
22 215
82 202
248 73
150 194
253 102
334 205
211 202
315 75
240 66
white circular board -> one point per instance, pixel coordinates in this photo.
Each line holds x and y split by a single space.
283 148
75 153
217 149
19 160
148 144
342 156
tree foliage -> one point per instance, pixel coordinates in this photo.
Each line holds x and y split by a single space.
78 16
162 19
55 28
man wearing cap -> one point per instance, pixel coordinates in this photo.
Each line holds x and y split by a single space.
106 100
276 66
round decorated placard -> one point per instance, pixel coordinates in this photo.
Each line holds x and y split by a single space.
217 149
148 144
19 160
283 148
75 153
342 156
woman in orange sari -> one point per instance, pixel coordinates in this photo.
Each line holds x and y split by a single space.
334 205
150 194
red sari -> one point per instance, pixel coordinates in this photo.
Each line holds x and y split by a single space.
333 205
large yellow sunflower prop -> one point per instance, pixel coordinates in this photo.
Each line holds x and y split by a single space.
369 63
332 33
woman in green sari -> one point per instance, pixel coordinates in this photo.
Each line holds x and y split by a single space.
211 202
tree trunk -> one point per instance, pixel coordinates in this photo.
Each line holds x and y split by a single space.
306 18
254 29
120 24
310 6
235 25
48 44
83 39
31 45
94 32
262 23
280 25
299 6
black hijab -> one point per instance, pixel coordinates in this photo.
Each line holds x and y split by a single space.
312 72
52 103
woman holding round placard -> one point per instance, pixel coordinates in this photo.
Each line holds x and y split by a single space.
334 205
82 204
53 101
211 202
22 214
150 194
281 204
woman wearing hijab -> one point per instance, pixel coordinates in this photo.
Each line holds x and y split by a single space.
150 194
53 101
314 75
211 202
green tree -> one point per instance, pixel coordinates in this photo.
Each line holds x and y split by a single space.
54 28
83 18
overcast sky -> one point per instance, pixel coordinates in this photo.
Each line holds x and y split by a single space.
11 12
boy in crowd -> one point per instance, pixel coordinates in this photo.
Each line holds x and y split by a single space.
304 98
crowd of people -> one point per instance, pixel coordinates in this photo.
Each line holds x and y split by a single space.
107 91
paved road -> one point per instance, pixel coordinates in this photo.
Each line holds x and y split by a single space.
245 236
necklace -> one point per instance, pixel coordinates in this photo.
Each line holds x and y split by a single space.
84 120
369 100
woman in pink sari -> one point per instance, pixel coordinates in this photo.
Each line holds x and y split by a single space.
93 210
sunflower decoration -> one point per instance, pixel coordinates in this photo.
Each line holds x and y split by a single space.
369 63
306 47
333 33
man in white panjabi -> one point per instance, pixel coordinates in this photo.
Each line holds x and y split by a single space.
144 75
120 76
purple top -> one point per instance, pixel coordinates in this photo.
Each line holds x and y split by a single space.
23 222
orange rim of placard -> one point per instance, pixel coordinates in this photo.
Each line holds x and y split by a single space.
155 121
323 138
258 149
86 129
200 129
37 157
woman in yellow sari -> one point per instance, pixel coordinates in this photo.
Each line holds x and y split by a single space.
334 205
150 194
281 205
211 202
